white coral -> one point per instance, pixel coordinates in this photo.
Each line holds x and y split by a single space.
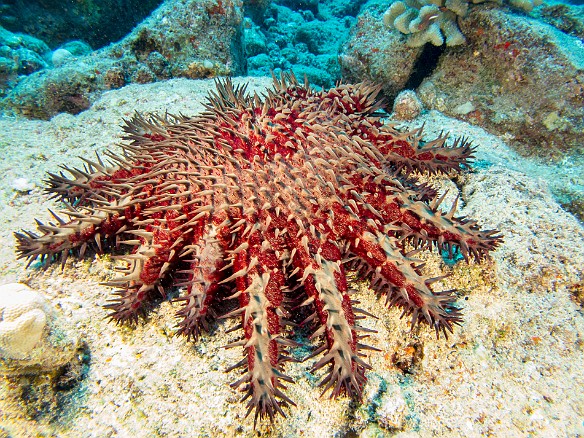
427 21
23 319
436 21
33 337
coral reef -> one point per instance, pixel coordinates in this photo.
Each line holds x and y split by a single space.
31 337
98 23
515 76
190 38
270 201
20 55
435 21
298 37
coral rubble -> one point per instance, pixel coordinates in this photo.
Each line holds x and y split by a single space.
270 201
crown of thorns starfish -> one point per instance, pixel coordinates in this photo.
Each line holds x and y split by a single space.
271 200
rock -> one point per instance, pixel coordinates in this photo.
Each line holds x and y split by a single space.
315 75
61 57
392 411
77 48
407 106
301 5
261 63
32 339
373 53
189 38
526 79
22 185
255 41
256 9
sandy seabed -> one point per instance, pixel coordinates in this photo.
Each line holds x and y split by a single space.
514 368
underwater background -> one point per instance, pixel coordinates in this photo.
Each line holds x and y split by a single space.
508 76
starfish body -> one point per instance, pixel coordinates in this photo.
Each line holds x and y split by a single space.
274 199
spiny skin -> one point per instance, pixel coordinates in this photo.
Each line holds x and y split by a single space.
274 198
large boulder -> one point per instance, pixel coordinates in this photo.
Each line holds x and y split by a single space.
517 76
375 54
184 38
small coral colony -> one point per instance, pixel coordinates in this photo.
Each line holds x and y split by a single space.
436 21
269 201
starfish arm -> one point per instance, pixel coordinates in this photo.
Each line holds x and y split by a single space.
154 258
260 285
400 211
379 257
319 267
85 227
409 152
203 277
98 182
426 225
397 276
326 286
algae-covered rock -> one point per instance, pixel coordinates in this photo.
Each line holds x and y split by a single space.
525 79
407 106
515 76
372 53
189 38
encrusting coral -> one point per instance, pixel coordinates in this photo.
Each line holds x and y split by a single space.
270 200
435 21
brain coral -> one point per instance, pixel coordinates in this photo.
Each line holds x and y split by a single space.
33 339
22 320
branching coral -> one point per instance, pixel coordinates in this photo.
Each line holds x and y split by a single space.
435 21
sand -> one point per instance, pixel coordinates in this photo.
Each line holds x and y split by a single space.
514 367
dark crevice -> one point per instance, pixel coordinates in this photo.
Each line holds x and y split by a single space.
424 66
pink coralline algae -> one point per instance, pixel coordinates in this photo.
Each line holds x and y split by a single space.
269 200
